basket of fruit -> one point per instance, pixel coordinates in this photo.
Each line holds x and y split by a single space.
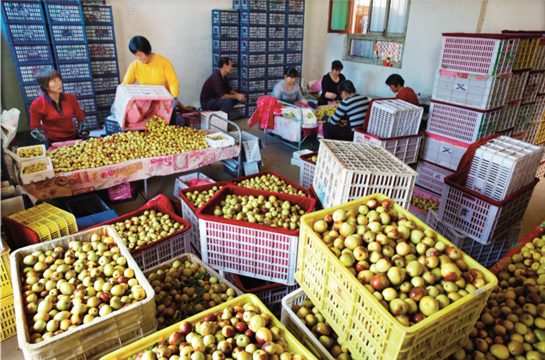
308 166
186 286
101 301
219 140
31 152
363 273
270 181
259 335
421 201
252 232
192 199
305 321
154 233
36 170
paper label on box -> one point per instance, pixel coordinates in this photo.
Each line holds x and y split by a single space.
250 168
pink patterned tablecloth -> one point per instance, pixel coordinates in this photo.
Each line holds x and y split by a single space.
82 181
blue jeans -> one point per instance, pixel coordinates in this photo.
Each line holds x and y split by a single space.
224 105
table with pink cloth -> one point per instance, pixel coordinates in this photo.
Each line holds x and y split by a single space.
82 181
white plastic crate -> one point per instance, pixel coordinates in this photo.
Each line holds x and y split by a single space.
347 171
180 182
215 123
298 329
482 54
443 151
531 132
503 166
308 168
517 85
523 117
541 171
478 217
392 118
538 111
486 255
156 98
471 91
431 176
461 123
48 173
508 117
405 148
532 86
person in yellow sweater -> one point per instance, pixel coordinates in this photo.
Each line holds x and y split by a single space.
153 69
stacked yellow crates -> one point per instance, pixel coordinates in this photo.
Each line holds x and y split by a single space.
7 310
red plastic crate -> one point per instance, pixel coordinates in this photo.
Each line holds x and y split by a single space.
306 177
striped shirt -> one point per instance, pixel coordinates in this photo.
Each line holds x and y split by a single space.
215 87
352 109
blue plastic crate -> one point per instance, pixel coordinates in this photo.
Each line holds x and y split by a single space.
80 89
31 92
277 32
253 18
294 58
275 59
225 32
63 12
251 109
272 82
275 72
296 6
238 112
216 56
235 83
252 96
27 73
251 32
31 54
252 85
276 46
252 73
88 106
112 126
253 46
85 205
294 46
295 33
106 84
92 121
105 100
75 71
277 19
219 46
296 19
257 5
236 4
253 60
104 68
67 34
100 33
26 12
27 34
225 17
97 14
277 6
234 73
70 53
103 114
103 51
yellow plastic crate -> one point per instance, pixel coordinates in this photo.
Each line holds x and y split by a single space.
70 219
369 330
526 53
42 230
5 274
8 318
293 344
540 134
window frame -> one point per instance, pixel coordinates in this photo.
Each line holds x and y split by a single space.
370 36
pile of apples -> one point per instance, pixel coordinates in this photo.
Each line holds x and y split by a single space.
238 333
30 152
65 288
159 139
406 268
423 204
29 169
270 182
198 199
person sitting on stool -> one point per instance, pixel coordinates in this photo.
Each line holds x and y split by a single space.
217 93
349 115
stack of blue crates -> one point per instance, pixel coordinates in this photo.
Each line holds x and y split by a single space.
26 30
69 42
99 26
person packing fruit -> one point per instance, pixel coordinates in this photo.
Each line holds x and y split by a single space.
51 114
349 115
330 84
288 90
217 93
396 84
153 69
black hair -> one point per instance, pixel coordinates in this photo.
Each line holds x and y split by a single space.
337 65
140 43
45 75
347 86
224 61
291 72
395 80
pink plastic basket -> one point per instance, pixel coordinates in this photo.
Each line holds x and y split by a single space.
405 148
431 176
307 170
461 123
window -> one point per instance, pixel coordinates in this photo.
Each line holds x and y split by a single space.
375 29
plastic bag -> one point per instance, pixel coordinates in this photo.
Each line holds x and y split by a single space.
9 122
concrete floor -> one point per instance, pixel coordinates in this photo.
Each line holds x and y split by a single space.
276 157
